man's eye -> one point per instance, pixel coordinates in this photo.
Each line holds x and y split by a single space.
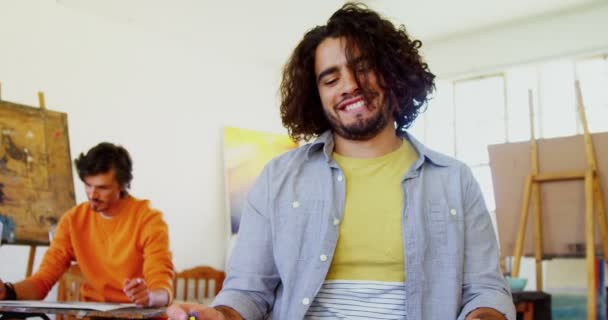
329 81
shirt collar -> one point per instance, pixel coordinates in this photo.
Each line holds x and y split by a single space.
325 143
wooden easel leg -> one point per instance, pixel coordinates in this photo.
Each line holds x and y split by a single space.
538 235
590 247
521 230
601 214
30 261
593 191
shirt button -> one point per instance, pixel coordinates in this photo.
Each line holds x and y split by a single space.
295 204
340 178
305 301
453 212
323 258
336 221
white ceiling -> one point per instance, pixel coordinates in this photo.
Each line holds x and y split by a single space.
429 19
436 19
269 29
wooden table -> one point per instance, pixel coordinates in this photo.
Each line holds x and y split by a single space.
15 312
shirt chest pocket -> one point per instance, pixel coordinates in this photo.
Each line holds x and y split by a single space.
298 232
440 217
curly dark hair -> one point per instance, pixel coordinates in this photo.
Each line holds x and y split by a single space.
104 157
387 49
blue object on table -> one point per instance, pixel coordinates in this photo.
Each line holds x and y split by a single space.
517 284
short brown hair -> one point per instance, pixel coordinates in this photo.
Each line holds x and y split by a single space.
105 157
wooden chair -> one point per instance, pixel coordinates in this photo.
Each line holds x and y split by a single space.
70 284
526 309
69 287
195 276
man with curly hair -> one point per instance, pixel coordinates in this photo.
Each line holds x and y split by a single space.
365 222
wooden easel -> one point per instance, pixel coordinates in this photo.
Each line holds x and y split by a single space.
32 255
593 194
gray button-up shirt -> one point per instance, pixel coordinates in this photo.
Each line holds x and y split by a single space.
288 236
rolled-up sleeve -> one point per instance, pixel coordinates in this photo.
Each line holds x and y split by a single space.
483 285
252 275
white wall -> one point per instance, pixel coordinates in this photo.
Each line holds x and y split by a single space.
164 98
572 33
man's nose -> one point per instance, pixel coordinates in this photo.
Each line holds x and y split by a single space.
349 83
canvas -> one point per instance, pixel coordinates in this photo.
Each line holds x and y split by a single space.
245 154
36 184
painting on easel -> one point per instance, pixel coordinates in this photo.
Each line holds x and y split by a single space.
36 185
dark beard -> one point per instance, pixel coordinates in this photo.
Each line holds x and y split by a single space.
362 129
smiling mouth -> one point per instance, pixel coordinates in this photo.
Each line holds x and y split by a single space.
355 106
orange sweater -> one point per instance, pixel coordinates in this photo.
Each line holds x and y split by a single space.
134 243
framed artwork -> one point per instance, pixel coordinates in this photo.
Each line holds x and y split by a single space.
36 184
245 154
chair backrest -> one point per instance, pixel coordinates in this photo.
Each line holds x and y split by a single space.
193 278
69 288
70 284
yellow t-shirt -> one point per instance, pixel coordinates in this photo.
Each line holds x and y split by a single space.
370 244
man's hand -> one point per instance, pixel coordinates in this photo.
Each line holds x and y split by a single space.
2 290
137 291
485 314
201 312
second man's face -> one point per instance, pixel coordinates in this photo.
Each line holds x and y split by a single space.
103 191
354 113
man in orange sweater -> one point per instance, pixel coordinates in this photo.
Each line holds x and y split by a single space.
120 243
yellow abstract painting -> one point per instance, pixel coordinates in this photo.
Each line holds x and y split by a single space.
245 154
